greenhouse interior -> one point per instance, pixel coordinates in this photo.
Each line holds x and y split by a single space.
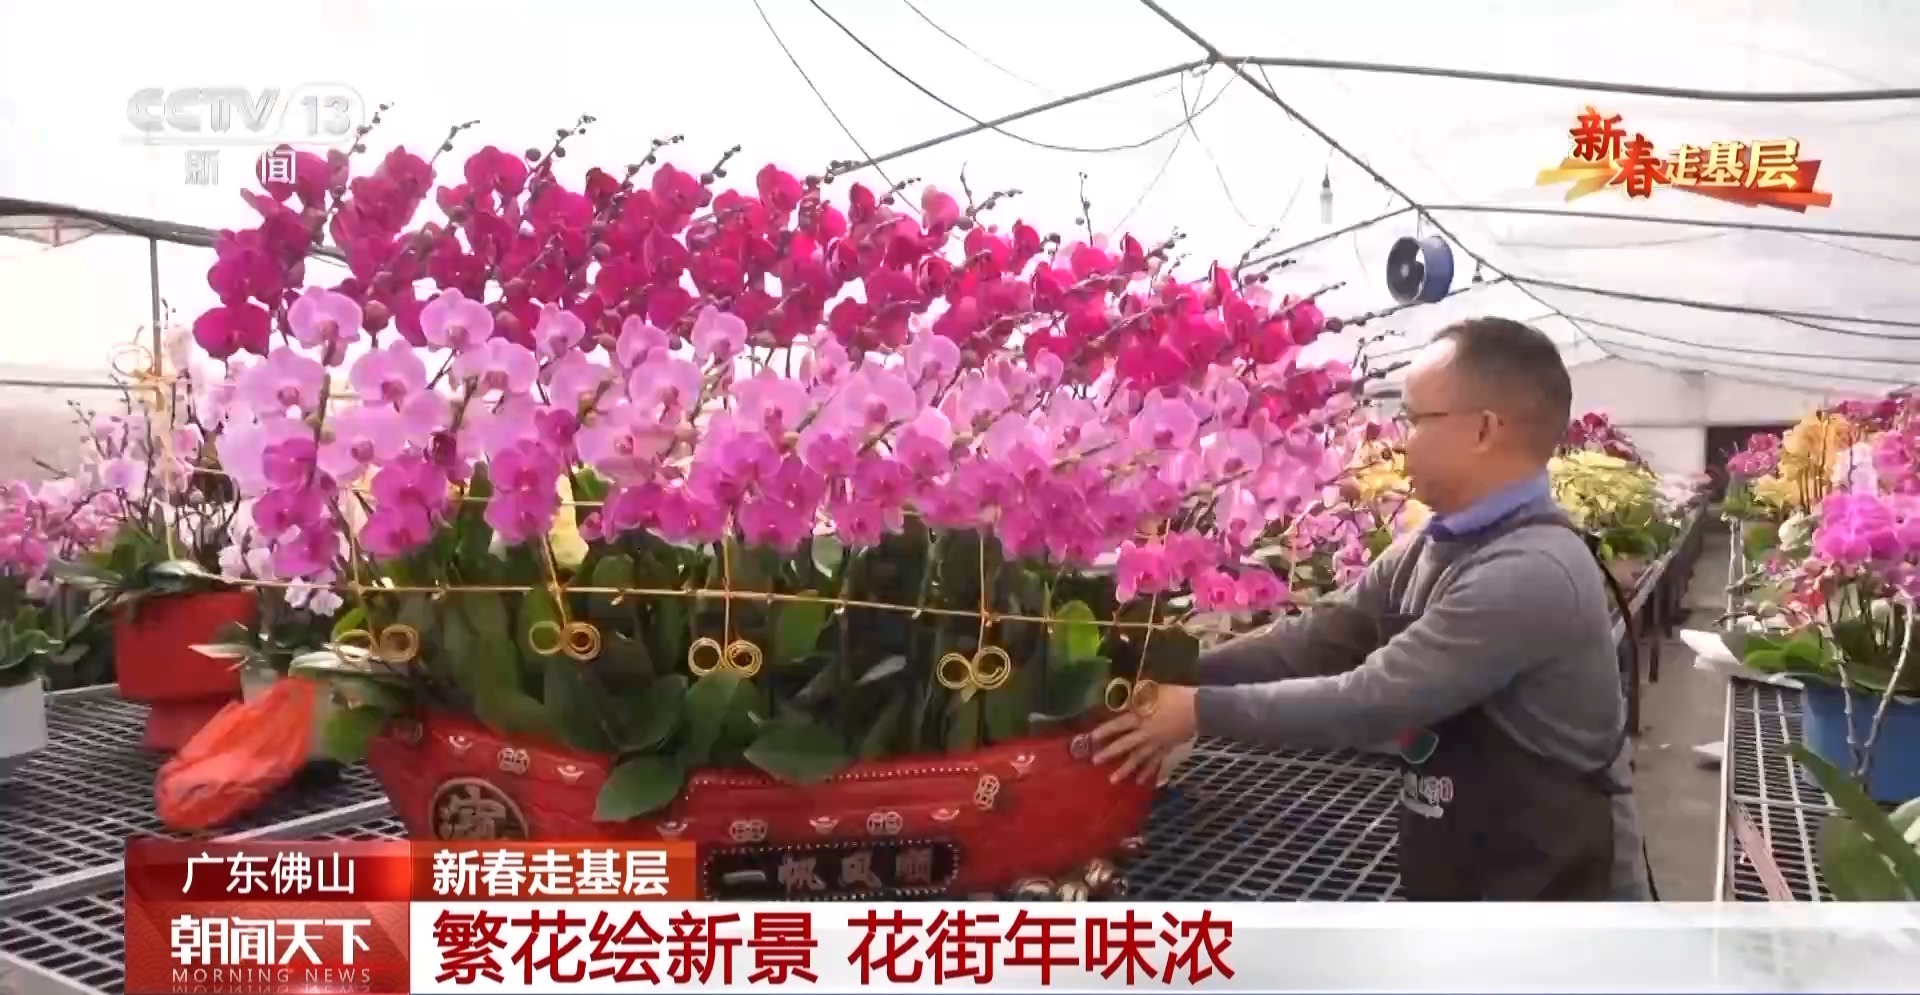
951 396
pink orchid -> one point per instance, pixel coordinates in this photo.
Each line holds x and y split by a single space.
325 320
451 321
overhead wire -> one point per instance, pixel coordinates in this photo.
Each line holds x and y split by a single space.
1274 97
1656 219
1868 95
982 125
1221 174
1824 357
1708 365
1726 308
1167 162
1427 211
990 63
824 103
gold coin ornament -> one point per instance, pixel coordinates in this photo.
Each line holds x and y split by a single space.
745 657
579 640
394 644
707 655
985 670
1140 697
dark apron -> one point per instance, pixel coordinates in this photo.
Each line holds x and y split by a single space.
1483 818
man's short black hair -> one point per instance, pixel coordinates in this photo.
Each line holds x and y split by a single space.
1520 370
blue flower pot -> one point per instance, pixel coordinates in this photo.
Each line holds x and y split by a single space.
1895 776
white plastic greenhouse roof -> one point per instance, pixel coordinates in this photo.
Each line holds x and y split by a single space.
1824 298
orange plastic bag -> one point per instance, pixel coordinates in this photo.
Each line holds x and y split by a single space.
243 755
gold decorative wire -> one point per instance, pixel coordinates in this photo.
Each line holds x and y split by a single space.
742 656
1139 695
561 634
393 645
989 667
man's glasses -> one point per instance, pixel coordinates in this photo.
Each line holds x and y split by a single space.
1412 419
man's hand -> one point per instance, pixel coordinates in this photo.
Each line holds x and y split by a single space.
1144 740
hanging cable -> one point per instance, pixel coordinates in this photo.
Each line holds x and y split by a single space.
816 90
1856 250
997 67
1119 227
988 125
1273 97
1651 243
970 50
1596 86
1218 173
1723 308
1656 219
1824 357
1707 365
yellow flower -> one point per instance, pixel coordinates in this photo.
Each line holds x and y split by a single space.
1808 454
569 548
1598 491
1378 471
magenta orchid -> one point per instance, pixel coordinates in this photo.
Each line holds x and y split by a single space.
829 396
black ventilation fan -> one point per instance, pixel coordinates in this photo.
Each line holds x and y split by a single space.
1420 270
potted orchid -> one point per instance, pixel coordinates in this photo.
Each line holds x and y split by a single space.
1840 613
153 583
1618 501
748 516
37 523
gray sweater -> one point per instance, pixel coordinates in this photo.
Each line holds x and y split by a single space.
1521 626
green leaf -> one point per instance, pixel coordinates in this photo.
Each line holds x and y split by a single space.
1866 816
639 786
886 725
895 664
828 554
1007 708
589 486
963 725
796 629
349 620
612 572
658 714
573 708
1807 647
1759 538
1075 689
345 732
536 608
514 713
472 535
1075 636
484 662
1853 868
623 659
798 751
710 703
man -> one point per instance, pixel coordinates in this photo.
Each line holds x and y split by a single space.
1483 643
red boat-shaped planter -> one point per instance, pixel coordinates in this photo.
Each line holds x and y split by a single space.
1006 818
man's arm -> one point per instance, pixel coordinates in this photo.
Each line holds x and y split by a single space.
1496 621
1331 637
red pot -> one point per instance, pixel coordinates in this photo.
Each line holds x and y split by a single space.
1035 807
153 657
170 724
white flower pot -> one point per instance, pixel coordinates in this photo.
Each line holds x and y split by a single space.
255 682
23 725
